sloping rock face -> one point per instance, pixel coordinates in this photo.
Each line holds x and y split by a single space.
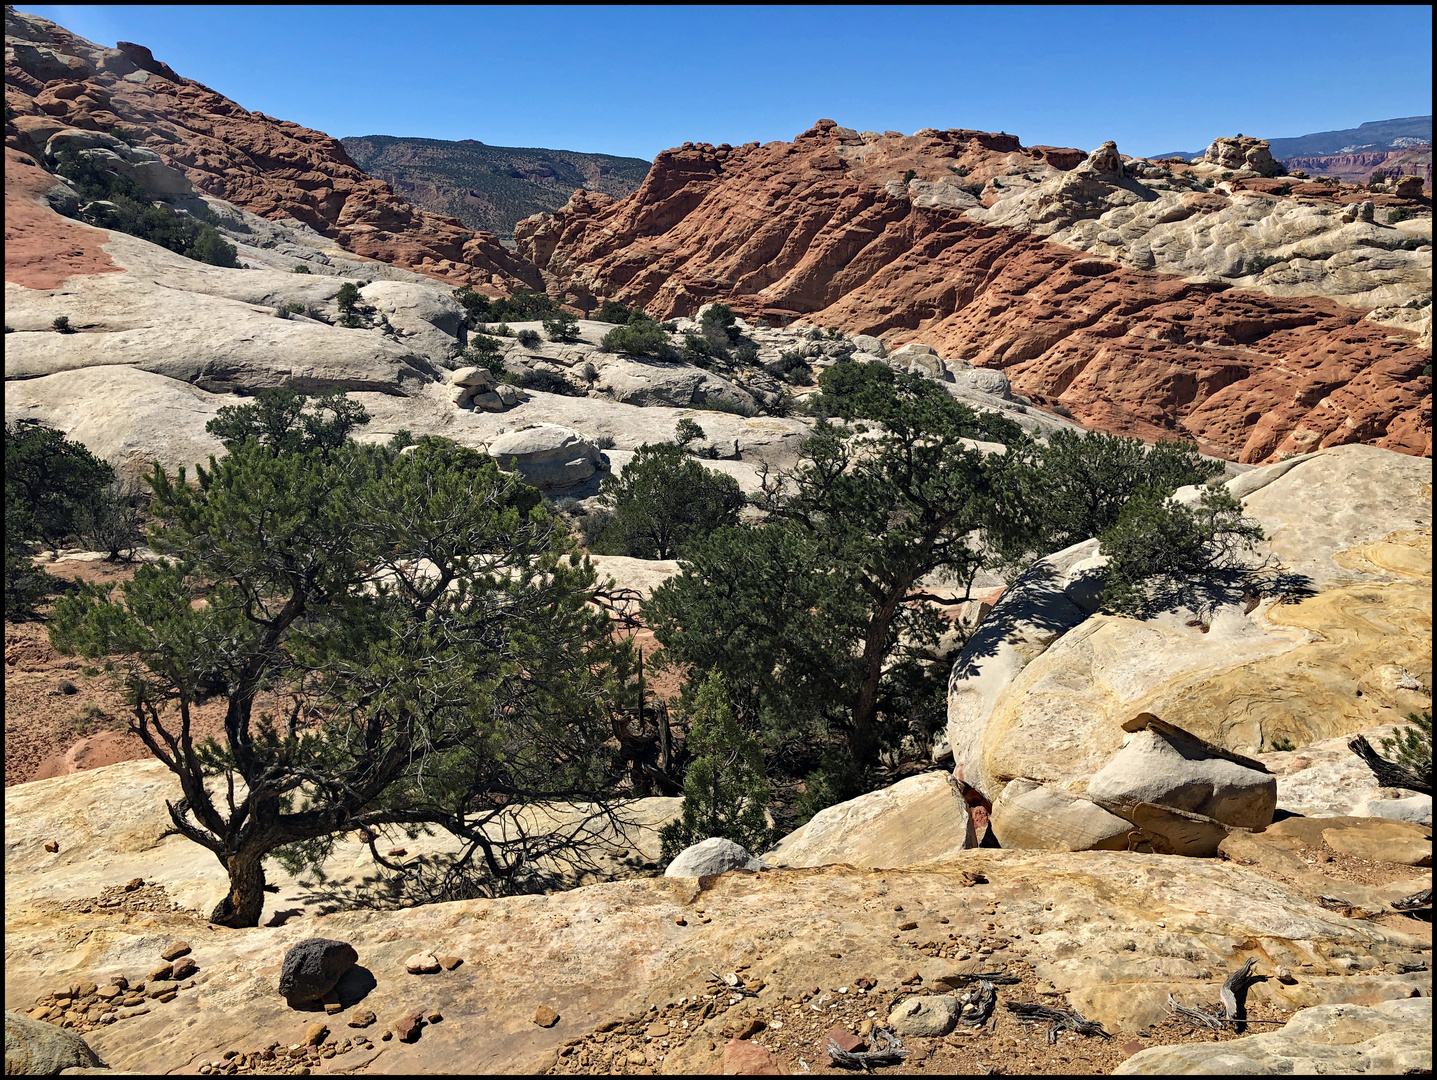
943 234
274 168
1385 1039
1113 932
1344 645
920 818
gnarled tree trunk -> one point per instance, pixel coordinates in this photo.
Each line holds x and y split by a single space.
242 906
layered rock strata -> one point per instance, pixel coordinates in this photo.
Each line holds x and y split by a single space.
277 169
1156 299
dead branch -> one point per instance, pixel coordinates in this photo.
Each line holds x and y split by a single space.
1194 1016
1388 773
1058 1019
980 1002
1234 994
884 1048
1421 899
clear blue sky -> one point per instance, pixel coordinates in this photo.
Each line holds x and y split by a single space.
636 80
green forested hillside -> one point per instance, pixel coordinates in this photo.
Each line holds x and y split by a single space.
490 187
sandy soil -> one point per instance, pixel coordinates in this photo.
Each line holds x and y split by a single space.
61 713
41 248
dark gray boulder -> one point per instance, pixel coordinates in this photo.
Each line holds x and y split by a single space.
312 968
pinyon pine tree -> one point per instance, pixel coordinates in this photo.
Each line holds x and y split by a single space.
725 793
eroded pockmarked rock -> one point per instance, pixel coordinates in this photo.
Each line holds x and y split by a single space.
313 968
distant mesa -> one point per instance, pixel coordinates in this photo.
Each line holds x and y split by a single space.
490 187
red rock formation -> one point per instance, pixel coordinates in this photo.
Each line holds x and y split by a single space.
1359 167
829 228
42 249
274 168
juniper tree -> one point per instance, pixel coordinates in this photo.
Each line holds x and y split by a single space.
725 793
401 640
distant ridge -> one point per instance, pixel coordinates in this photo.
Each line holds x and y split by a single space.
1375 136
490 187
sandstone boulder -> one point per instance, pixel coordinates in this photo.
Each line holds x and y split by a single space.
36 1048
1391 1038
1045 695
547 455
915 820
312 968
1408 187
1163 764
1243 152
1045 817
424 318
716 855
929 1017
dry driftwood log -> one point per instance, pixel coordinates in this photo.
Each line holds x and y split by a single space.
978 1005
1389 773
1058 1019
884 1048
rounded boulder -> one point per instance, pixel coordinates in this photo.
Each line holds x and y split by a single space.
716 855
546 455
313 967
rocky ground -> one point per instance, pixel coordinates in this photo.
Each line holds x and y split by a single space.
587 980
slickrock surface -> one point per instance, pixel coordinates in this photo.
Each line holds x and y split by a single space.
275 168
1103 285
1344 645
1108 933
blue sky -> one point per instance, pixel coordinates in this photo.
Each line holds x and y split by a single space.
636 80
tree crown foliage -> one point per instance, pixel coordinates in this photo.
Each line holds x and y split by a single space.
1161 551
402 640
640 337
661 501
725 793
284 422
116 201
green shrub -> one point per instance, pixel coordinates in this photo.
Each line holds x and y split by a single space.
294 307
561 326
686 431
1283 744
1413 243
1063 410
1412 746
528 338
697 351
548 382
589 371
735 406
791 367
1396 214
640 338
1258 263
611 311
485 352
523 306
116 201
725 793
909 174
61 325
1378 178
1160 550
837 780
476 305
347 297
301 268
717 325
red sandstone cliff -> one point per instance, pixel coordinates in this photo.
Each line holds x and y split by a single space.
1359 167
273 168
829 228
